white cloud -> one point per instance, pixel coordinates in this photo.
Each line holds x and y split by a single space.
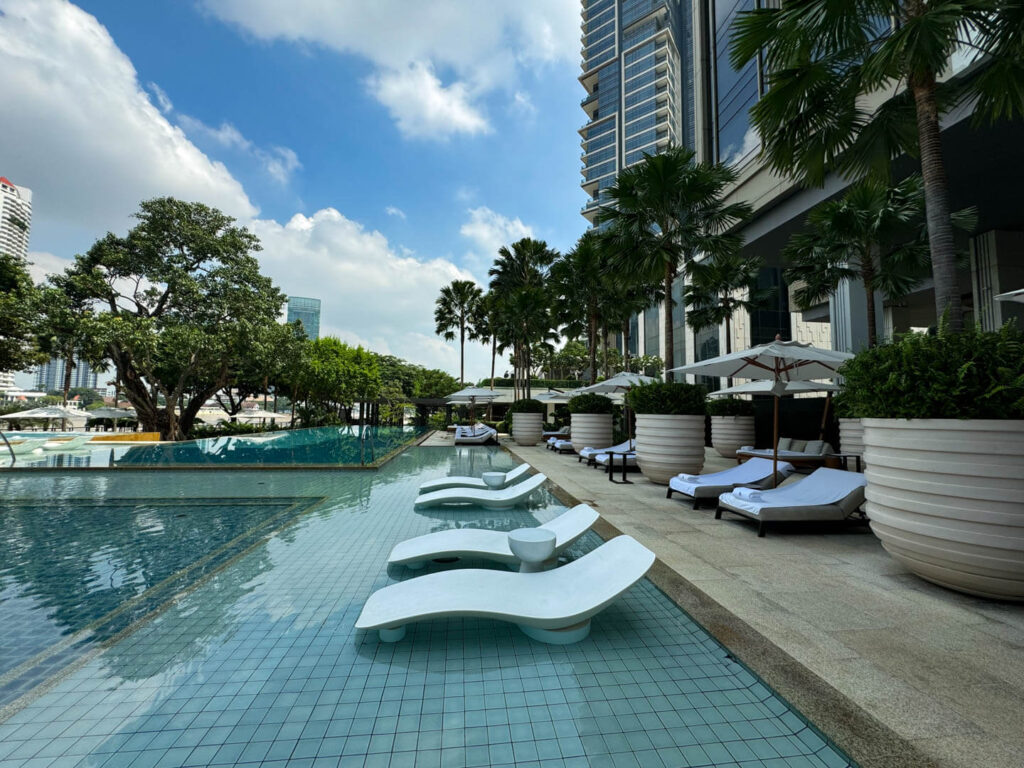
278 162
163 101
422 107
523 104
487 231
41 264
393 210
81 132
460 49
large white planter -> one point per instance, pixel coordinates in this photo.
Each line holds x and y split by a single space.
527 428
591 430
851 437
946 498
730 433
668 445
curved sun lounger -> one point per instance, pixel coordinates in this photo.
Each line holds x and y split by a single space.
475 436
602 459
506 497
550 606
68 445
755 473
27 445
590 453
487 544
825 494
460 481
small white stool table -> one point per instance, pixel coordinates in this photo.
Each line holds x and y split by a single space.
494 480
535 548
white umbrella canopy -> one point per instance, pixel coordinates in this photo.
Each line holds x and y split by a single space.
618 383
256 414
1017 296
111 413
776 360
48 412
471 394
556 397
769 387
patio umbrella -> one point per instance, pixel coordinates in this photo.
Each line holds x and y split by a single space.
256 414
618 384
1017 295
766 387
47 412
471 395
114 414
780 362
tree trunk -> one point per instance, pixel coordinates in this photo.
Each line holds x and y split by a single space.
625 344
728 342
494 354
867 274
604 348
669 339
69 364
462 353
936 202
592 333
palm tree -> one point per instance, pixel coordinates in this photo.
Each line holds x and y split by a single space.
720 286
871 234
452 311
825 61
579 280
484 325
664 211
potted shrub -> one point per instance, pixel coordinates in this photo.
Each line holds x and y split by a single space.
669 429
851 431
527 416
591 421
943 423
732 424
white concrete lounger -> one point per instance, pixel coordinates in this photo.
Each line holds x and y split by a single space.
755 473
68 445
27 445
825 494
590 453
550 606
460 481
506 497
487 544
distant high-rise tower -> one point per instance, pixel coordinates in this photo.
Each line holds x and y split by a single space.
638 73
307 311
15 218
50 376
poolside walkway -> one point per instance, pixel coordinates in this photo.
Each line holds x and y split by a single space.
943 671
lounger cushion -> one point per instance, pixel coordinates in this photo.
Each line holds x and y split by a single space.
753 473
825 494
784 443
817 447
797 446
602 459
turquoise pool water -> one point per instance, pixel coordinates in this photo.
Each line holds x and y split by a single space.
320 446
257 663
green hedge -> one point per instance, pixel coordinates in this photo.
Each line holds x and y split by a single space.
526 405
969 375
536 383
730 406
590 403
672 399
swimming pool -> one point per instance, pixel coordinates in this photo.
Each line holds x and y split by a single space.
259 663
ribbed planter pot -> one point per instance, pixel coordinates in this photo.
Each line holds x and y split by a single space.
527 428
851 437
946 498
591 430
668 445
730 433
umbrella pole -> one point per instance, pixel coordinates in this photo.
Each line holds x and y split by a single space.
775 445
824 415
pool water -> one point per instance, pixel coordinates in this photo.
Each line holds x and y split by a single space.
258 662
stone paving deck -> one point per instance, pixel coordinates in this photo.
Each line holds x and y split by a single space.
897 670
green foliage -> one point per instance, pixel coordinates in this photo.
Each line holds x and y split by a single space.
455 310
437 420
668 399
19 311
87 397
969 375
590 403
431 382
527 405
226 429
730 406
536 383
721 285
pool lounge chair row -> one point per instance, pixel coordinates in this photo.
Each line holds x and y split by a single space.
478 434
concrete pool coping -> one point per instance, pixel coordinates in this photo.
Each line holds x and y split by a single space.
898 672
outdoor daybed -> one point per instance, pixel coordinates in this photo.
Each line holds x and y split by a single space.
801 453
756 473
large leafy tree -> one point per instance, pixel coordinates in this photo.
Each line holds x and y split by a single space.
519 283
177 301
453 313
829 62
579 281
872 234
19 310
719 287
663 212
262 364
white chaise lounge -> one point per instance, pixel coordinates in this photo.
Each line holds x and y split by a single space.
487 544
550 606
824 495
461 481
73 444
755 473
506 497
478 435
602 459
555 433
588 454
26 445
563 446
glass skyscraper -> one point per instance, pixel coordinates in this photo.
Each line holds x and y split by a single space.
307 311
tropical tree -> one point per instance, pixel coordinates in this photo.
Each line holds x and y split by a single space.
579 280
721 285
666 210
175 304
453 311
873 234
19 310
828 63
485 323
262 364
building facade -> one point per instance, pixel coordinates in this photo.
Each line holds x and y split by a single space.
50 376
307 311
15 218
707 108
6 380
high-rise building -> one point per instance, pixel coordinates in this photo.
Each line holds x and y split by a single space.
307 311
50 376
6 380
15 218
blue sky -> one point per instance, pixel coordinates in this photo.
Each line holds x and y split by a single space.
378 149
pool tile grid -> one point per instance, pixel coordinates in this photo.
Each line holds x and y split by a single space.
261 666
